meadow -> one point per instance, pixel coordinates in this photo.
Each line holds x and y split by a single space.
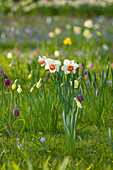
56 92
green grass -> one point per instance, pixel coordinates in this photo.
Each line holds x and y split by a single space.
72 141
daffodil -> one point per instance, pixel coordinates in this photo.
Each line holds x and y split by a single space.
30 75
88 23
13 86
78 103
19 90
9 55
77 30
51 34
42 60
69 66
52 65
38 85
87 34
67 41
31 90
75 83
57 30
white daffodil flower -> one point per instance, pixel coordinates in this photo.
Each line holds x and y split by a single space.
42 60
69 66
52 65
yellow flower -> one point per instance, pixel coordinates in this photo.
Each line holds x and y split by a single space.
87 34
75 84
67 41
77 30
49 151
19 90
31 90
57 30
98 33
38 85
10 64
29 76
51 34
40 133
78 103
13 86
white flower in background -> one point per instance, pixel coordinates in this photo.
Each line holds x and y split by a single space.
87 34
68 27
42 60
51 34
9 55
77 30
56 53
52 65
57 30
88 23
96 26
105 47
48 19
56 18
69 66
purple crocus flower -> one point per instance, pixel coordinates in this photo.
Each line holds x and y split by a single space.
17 139
7 82
42 139
109 81
87 82
5 76
16 112
1 71
80 97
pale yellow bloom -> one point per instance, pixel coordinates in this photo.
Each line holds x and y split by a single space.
67 41
88 23
10 64
51 34
19 90
78 103
29 76
9 55
13 86
40 133
87 34
38 85
31 90
75 84
98 33
49 151
57 30
77 30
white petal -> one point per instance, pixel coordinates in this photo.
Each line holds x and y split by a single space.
66 62
47 66
42 65
44 57
64 68
74 71
75 65
57 62
52 71
72 62
66 71
49 61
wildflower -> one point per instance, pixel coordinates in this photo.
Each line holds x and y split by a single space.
13 86
98 33
19 90
42 139
17 139
57 30
105 47
42 60
51 34
86 76
97 93
81 65
9 55
31 90
20 146
49 151
77 30
75 83
16 112
85 72
67 41
1 71
38 84
40 133
30 75
69 66
88 23
7 82
90 66
68 26
87 34
109 81
10 65
80 97
87 82
56 53
52 65
78 103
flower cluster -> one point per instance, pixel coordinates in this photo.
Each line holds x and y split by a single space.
67 41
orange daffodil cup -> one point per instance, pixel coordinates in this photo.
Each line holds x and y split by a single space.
69 66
